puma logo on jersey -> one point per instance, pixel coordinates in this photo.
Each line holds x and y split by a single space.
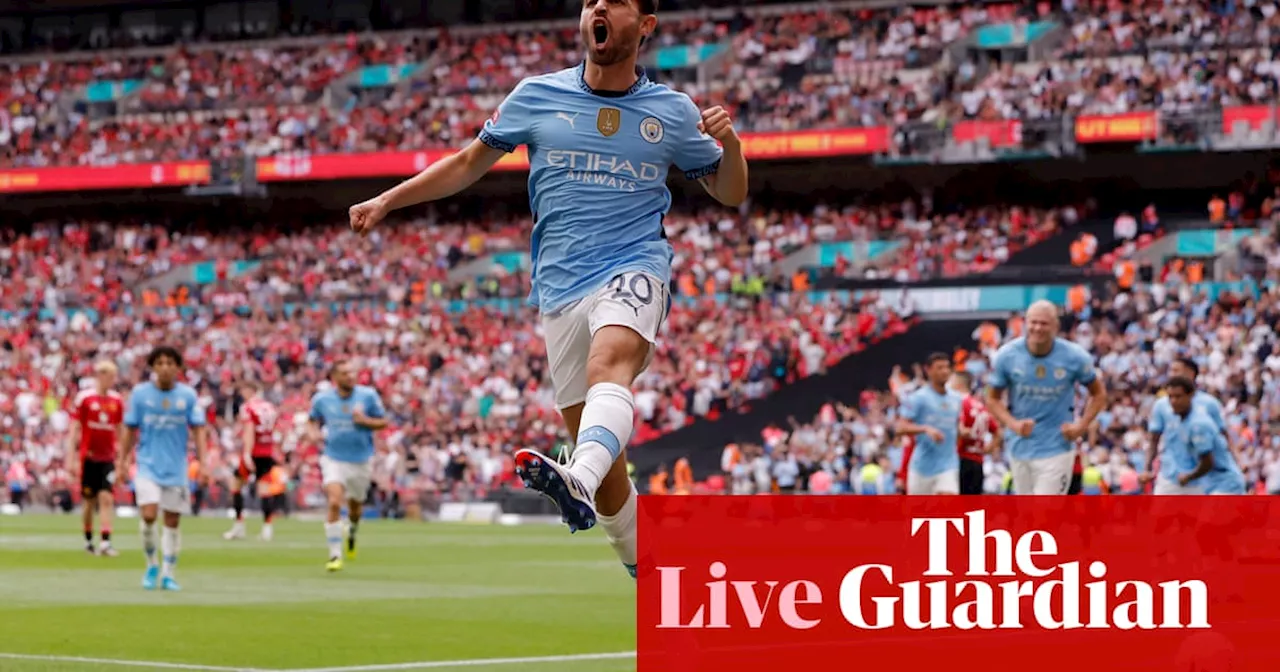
568 118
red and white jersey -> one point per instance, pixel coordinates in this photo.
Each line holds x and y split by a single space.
976 427
261 415
99 417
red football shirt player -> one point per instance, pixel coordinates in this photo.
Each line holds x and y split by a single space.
96 415
258 453
978 434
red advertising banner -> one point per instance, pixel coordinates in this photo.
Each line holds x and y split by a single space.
804 144
403 164
1131 127
965 584
125 176
1000 133
1253 115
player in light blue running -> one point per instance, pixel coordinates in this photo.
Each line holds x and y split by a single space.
349 414
1161 417
1192 437
932 415
160 417
601 138
1039 373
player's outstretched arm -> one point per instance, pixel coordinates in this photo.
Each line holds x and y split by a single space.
440 180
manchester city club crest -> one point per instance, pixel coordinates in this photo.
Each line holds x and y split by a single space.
1059 374
1040 371
608 121
651 130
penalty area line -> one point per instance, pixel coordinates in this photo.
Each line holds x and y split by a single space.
155 665
475 662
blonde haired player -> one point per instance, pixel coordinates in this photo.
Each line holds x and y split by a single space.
1038 374
258 452
97 414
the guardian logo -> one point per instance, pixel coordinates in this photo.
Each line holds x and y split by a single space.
605 170
1041 591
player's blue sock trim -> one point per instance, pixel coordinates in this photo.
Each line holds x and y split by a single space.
602 436
171 559
335 540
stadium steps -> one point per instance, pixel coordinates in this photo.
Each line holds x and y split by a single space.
1056 250
703 441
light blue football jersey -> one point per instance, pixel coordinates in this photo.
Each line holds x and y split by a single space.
598 176
1186 440
1162 416
163 420
941 412
343 440
1041 389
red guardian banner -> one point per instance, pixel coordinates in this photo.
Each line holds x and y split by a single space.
1131 127
964 584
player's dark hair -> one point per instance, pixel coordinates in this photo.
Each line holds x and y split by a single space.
1190 364
965 378
1183 383
164 351
937 357
648 6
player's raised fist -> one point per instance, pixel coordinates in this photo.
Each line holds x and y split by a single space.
717 124
366 215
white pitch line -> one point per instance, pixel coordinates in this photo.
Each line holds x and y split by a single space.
475 662
126 663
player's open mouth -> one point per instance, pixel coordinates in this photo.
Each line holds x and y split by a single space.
600 33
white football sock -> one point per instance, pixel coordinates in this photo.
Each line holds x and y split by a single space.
333 534
149 541
170 544
607 422
620 528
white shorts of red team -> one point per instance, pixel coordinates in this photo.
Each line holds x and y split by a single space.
1043 476
354 477
634 300
170 498
945 483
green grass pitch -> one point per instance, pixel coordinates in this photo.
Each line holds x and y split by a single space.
419 596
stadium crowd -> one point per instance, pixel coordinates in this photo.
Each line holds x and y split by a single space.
818 68
459 359
1133 334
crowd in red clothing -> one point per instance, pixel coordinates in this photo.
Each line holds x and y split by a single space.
819 68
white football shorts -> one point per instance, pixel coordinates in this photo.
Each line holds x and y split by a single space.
945 483
634 300
1043 476
171 498
354 477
